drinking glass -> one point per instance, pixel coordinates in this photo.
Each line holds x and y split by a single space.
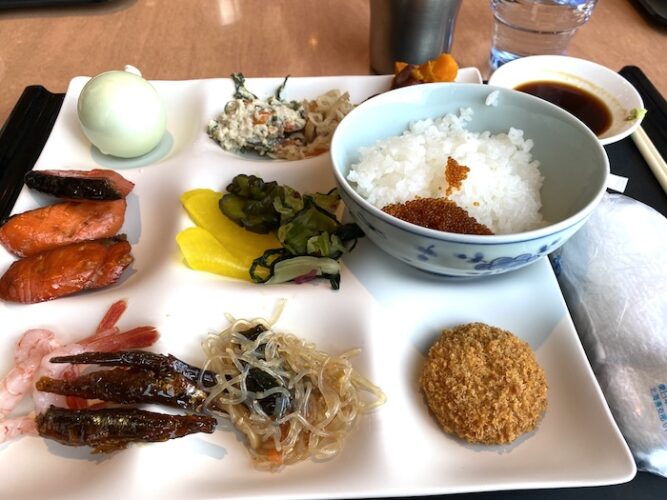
534 27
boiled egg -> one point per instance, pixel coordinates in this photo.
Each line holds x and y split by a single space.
121 113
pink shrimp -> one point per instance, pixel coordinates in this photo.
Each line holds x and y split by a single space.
18 426
108 324
32 360
30 349
136 338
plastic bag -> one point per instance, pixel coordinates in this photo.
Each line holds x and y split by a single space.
613 274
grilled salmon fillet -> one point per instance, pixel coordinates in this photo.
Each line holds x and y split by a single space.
96 184
66 270
60 224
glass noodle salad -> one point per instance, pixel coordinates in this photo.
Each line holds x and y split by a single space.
280 129
290 400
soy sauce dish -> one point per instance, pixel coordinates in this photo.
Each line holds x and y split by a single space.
605 101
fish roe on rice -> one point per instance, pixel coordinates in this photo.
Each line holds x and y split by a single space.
483 384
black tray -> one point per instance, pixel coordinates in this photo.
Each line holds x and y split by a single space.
23 137
625 158
655 9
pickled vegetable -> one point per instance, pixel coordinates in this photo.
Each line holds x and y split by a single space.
267 232
203 252
311 237
202 207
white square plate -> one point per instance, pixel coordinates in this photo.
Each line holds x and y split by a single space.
389 310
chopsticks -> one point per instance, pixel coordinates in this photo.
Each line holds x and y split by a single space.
652 156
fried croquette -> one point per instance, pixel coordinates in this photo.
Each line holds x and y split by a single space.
483 384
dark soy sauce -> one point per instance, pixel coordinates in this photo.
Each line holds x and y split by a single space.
582 104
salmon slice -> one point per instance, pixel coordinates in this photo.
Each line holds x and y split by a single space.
96 184
66 270
56 225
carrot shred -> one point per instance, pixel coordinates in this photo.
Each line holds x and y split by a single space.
273 456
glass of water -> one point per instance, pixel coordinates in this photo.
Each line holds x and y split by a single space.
533 27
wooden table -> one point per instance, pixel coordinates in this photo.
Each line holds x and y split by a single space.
178 40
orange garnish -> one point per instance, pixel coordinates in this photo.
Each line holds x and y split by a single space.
399 66
273 456
442 69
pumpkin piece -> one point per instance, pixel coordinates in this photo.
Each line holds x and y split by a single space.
442 69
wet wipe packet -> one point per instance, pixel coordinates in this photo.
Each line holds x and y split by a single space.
613 275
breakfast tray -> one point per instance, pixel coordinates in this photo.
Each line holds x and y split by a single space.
578 429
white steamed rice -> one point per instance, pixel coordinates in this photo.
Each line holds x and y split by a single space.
501 191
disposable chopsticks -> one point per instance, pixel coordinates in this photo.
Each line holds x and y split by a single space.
652 156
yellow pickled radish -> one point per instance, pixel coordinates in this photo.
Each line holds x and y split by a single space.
193 192
202 207
203 252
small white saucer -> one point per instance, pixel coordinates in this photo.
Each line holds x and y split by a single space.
618 94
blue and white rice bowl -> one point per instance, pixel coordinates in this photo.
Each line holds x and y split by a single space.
572 163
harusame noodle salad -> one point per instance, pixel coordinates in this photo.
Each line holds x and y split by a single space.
290 400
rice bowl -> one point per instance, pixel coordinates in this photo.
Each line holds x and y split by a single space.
572 164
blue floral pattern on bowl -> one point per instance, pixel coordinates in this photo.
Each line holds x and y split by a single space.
481 264
366 225
425 253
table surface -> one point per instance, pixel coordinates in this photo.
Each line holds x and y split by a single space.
178 40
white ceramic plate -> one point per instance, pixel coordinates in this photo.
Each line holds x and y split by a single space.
390 310
615 91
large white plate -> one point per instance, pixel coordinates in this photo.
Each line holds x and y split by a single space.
388 309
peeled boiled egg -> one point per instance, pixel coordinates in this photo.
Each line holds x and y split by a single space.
121 113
